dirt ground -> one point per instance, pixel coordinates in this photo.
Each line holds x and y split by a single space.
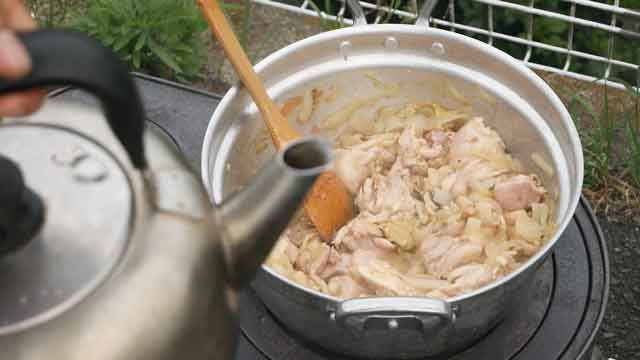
619 337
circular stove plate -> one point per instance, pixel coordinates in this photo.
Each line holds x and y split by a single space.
555 318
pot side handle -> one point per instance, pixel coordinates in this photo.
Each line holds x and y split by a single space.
61 57
425 13
357 12
422 314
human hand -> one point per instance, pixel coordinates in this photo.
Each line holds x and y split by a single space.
14 59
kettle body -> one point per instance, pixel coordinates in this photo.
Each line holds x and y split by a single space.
163 299
131 261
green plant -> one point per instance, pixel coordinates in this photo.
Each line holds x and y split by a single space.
632 132
158 36
608 122
633 136
596 160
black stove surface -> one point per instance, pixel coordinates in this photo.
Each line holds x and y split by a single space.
557 317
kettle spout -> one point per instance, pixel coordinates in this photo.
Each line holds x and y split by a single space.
253 219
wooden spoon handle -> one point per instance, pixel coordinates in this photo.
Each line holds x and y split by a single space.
279 128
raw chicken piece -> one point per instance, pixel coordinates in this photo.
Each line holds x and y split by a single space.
279 260
291 251
345 287
488 210
441 255
383 278
358 233
518 192
476 141
365 232
467 278
337 265
399 233
475 175
415 151
384 244
441 211
313 256
299 228
438 137
389 194
355 164
441 197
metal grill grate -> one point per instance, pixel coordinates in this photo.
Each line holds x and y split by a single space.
621 26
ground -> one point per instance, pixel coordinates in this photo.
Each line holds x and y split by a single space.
619 337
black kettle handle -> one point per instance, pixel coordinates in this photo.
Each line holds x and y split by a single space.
62 57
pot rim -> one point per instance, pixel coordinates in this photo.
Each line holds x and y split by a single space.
507 60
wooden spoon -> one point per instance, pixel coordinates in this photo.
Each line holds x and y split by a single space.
329 204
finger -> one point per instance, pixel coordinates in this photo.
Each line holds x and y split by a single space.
14 59
16 16
21 104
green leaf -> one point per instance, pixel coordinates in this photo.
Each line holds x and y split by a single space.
109 40
129 26
164 56
185 48
136 59
124 41
142 40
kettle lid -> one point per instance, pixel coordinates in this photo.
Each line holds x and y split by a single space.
87 200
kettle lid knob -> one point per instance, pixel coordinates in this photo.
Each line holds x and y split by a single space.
21 210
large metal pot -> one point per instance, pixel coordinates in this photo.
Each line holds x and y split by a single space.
512 99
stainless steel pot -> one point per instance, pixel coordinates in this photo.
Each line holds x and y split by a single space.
431 64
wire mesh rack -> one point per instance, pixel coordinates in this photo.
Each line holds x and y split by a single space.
616 27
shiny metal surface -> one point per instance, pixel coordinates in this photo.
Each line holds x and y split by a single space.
167 296
252 219
357 12
425 13
524 110
89 205
422 314
172 193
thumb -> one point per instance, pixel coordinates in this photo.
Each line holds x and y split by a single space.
14 59
14 64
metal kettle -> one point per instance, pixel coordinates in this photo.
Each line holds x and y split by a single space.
109 246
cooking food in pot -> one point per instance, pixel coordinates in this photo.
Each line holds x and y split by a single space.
443 209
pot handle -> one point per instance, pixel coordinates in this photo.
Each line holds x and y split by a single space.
423 314
357 12
68 58
425 13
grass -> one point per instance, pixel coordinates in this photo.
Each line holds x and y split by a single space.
608 121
